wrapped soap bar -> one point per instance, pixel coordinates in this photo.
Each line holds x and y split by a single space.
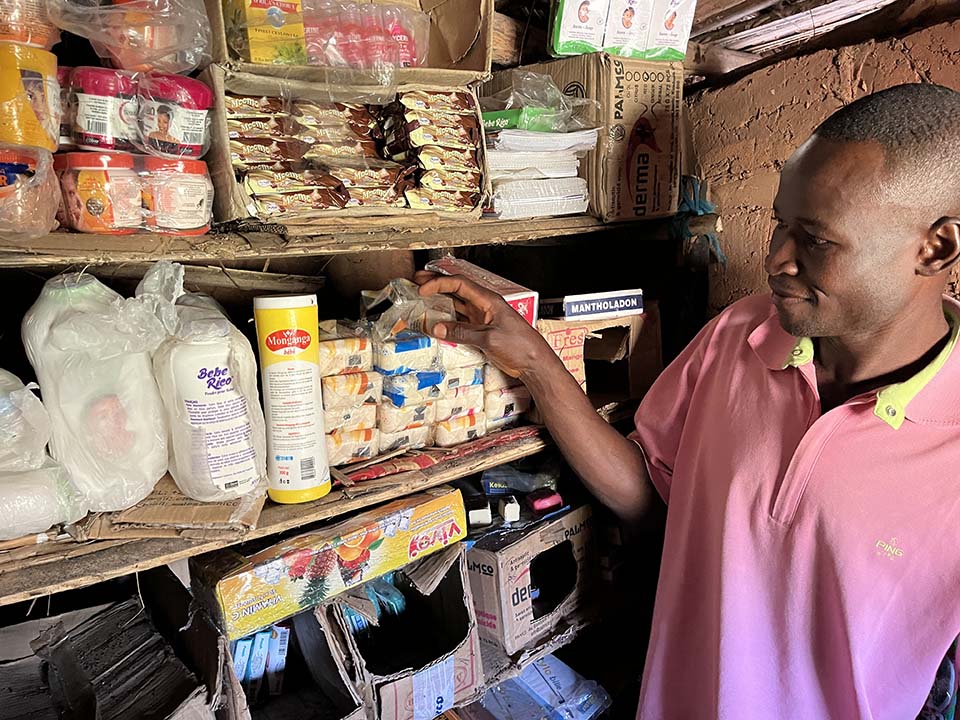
347 391
454 432
503 423
408 353
409 439
361 417
432 100
507 401
350 447
496 379
462 377
462 401
345 355
453 355
394 419
413 388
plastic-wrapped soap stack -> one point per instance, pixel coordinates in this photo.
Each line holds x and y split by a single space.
505 399
351 393
460 414
412 376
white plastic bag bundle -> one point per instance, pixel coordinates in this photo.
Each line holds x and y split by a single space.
34 500
207 374
91 351
24 426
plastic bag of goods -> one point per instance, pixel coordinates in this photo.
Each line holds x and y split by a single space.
34 500
91 349
29 193
140 35
409 312
24 426
207 374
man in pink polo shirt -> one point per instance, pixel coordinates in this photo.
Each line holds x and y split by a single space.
807 442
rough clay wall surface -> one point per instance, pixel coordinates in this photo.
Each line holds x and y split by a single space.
742 133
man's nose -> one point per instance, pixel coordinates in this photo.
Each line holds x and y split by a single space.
782 257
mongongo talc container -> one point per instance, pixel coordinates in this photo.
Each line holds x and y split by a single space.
287 328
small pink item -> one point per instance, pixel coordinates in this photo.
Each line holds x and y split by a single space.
544 500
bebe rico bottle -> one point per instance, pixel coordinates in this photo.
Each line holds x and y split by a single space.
287 327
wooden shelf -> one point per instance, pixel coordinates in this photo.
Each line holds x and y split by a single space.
103 560
64 248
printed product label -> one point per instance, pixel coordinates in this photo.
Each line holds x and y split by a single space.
173 130
433 690
627 24
100 200
583 21
106 122
222 437
296 449
182 202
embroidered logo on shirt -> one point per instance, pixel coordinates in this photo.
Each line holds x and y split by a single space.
889 549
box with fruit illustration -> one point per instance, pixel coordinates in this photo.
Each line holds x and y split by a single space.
247 593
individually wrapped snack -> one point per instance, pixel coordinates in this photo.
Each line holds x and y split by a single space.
251 106
468 400
246 152
29 193
463 377
398 115
410 313
434 157
268 126
91 351
408 352
297 203
360 417
269 181
101 192
173 115
349 148
309 112
102 106
24 425
454 355
351 447
348 391
170 36
470 182
29 97
408 439
33 500
394 419
413 388
345 133
384 174
412 135
345 355
496 379
506 401
454 432
433 100
390 196
445 201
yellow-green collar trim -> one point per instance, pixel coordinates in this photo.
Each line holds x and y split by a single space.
892 401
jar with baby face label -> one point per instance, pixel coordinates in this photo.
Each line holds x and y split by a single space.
101 193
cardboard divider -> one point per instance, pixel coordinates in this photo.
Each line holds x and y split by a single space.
461 46
231 202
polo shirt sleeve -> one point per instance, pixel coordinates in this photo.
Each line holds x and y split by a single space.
660 419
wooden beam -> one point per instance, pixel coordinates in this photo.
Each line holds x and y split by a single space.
711 61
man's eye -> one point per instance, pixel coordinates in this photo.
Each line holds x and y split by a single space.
817 241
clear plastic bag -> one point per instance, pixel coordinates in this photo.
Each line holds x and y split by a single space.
24 425
91 350
207 375
549 110
29 194
32 501
142 35
409 311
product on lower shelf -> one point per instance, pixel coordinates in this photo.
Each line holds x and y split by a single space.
348 391
409 439
413 388
394 419
360 417
461 401
354 446
454 432
506 402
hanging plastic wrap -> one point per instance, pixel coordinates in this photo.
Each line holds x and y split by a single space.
409 312
34 500
29 97
24 425
141 35
207 375
91 349
29 194
536 104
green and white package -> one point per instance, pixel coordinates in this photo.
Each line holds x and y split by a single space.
628 22
670 29
577 26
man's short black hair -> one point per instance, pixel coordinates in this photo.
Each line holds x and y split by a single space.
918 127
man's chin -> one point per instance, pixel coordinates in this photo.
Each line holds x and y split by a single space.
795 324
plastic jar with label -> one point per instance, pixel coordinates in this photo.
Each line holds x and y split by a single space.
103 109
63 79
29 97
174 117
177 195
101 193
26 22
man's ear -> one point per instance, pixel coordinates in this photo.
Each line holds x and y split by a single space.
941 250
